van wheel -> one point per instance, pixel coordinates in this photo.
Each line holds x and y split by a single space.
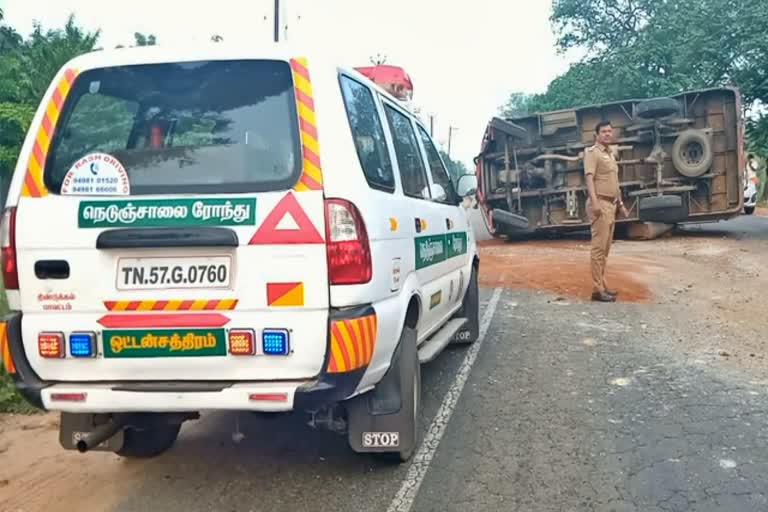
410 384
657 108
749 210
470 309
692 153
392 408
148 442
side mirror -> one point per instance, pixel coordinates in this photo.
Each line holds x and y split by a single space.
434 191
466 185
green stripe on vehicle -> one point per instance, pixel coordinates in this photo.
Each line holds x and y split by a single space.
434 249
456 244
164 342
167 213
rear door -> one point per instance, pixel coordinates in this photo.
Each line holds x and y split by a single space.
178 202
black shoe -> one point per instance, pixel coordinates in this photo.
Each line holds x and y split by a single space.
603 297
615 293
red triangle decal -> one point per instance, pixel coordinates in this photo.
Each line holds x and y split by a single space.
305 234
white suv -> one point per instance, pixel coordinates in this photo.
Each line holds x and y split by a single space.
230 230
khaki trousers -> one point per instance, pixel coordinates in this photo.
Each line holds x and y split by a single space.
602 237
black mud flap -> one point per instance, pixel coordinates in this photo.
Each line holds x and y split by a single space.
510 221
382 420
76 427
667 209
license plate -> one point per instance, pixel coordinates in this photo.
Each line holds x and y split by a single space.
164 342
179 272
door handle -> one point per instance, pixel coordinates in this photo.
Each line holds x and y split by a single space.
418 225
52 269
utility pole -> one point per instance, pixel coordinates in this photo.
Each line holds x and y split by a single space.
277 21
450 136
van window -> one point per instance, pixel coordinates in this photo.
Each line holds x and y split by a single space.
409 159
437 169
197 127
368 134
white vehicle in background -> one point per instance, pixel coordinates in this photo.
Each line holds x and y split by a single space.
750 197
751 181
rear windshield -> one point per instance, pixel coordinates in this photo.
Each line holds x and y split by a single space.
199 127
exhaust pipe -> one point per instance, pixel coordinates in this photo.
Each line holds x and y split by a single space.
101 434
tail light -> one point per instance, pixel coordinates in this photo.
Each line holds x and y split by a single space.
349 253
8 245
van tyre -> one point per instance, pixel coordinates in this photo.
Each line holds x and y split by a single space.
749 210
692 153
148 442
411 393
392 408
657 108
470 309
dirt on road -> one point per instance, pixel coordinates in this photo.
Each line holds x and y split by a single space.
562 267
704 285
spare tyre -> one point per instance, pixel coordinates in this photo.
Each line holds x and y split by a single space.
657 108
692 153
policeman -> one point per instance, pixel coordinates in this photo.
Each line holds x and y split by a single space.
602 176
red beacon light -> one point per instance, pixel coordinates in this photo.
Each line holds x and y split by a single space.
392 79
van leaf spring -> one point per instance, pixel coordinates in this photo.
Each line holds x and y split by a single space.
508 172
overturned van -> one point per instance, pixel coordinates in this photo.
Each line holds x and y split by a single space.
680 160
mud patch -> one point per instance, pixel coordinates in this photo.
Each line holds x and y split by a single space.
561 267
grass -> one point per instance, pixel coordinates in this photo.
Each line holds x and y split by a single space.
10 401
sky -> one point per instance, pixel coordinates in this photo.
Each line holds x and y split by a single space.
464 57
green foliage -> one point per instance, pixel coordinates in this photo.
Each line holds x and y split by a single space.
144 40
647 48
455 167
518 105
27 67
10 401
643 48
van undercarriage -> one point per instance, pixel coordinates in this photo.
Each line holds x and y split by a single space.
680 160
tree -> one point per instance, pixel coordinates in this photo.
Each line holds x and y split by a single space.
144 40
518 105
46 51
455 168
651 47
216 38
27 67
646 48
599 25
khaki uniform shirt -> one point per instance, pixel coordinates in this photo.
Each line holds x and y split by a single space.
599 161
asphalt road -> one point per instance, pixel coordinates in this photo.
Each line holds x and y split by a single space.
569 406
564 406
744 227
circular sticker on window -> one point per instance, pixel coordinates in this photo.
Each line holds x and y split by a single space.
96 174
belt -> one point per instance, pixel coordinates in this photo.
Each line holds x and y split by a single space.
608 198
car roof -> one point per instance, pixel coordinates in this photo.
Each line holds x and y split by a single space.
194 52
